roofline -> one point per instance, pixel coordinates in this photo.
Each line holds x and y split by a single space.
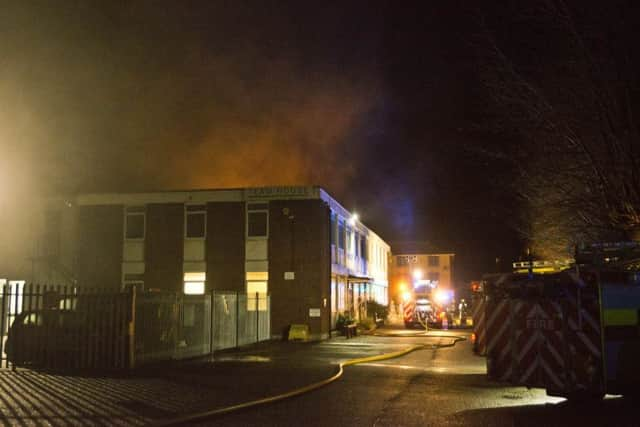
245 194
423 253
201 195
339 209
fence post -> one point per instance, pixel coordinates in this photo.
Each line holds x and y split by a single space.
5 296
15 289
132 330
237 316
212 321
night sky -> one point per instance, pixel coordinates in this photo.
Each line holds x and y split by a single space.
379 102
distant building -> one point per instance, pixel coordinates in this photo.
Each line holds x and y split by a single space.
296 243
415 262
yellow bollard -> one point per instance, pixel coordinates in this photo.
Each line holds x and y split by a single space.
299 332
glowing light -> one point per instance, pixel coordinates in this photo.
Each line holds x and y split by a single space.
442 297
194 283
193 288
417 274
353 219
406 296
402 286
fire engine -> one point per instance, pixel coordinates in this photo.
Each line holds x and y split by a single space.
428 306
574 332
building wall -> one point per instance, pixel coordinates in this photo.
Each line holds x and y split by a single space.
163 247
299 243
225 246
359 265
99 248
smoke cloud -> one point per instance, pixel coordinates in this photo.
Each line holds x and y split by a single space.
149 97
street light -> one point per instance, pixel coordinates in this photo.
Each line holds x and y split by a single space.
353 219
417 274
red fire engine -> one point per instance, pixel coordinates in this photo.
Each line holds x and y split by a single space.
575 332
428 306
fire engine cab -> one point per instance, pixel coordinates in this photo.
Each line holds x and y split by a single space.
428 306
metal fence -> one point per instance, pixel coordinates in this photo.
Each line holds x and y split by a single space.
240 319
64 327
171 326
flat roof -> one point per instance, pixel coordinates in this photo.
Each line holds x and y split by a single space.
248 194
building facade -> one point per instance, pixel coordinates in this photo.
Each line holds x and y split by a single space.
297 244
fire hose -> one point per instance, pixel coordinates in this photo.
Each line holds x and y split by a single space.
191 418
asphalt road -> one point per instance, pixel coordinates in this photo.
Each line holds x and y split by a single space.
435 386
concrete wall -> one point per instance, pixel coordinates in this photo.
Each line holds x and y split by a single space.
299 242
225 246
99 246
164 246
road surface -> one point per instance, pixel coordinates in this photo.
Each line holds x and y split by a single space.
439 387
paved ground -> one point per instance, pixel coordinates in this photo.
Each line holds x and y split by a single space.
35 398
444 386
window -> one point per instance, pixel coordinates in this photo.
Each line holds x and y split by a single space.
257 220
341 235
363 247
257 287
194 283
195 222
434 276
334 229
351 242
434 260
134 222
402 261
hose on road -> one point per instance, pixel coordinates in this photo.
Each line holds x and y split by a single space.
191 418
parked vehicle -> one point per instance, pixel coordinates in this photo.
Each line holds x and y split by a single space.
428 307
41 336
574 332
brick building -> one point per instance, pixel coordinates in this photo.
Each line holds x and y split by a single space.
296 243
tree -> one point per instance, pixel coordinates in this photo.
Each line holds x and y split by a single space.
563 84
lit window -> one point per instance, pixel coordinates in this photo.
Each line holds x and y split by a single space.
194 283
434 260
257 286
257 276
195 222
134 222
